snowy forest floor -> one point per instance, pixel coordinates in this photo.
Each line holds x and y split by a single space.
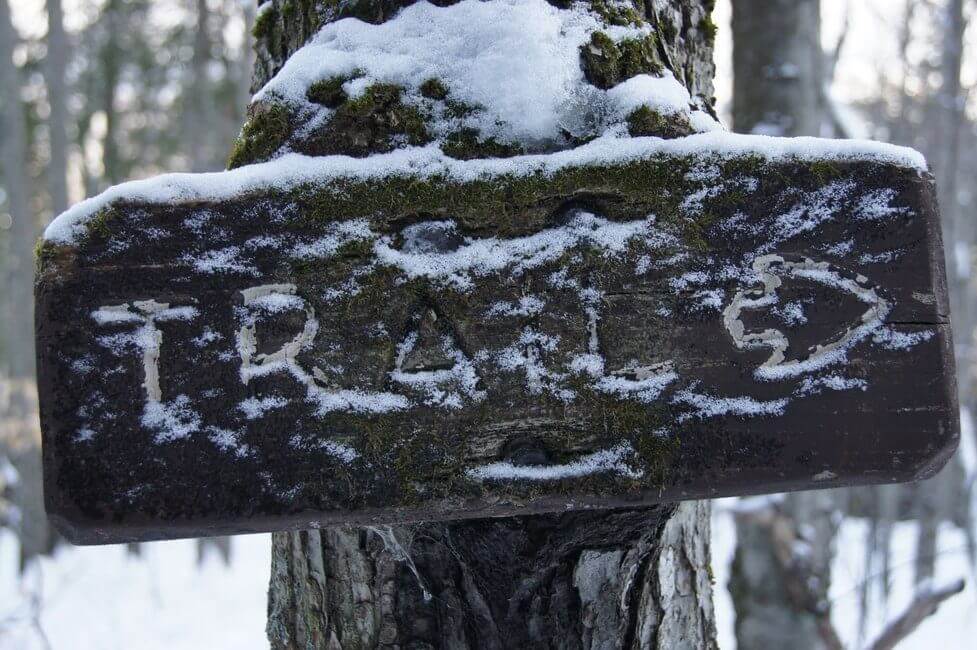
103 598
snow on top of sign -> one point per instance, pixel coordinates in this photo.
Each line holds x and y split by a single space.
605 460
293 170
531 97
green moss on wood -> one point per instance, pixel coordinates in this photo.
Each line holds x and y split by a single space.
606 63
824 171
618 13
600 59
99 226
708 28
434 89
669 30
328 92
645 121
639 56
264 23
265 131
376 121
466 145
512 204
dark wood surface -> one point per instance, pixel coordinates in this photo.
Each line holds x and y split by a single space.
677 329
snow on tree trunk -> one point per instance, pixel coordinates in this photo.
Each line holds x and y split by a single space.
617 579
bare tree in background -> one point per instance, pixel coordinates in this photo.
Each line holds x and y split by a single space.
55 63
781 596
781 82
19 435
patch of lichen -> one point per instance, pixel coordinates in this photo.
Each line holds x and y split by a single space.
458 109
375 122
465 144
655 455
695 231
646 121
421 461
263 134
606 63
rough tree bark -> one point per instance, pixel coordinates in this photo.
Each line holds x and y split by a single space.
620 579
778 72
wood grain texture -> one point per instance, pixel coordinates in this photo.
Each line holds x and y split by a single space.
677 329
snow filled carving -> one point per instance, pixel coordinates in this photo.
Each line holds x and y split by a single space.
772 269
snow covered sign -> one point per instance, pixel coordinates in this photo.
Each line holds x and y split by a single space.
412 337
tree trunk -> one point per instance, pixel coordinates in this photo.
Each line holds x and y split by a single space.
19 435
777 67
778 72
111 65
626 579
934 500
197 113
617 579
19 268
55 63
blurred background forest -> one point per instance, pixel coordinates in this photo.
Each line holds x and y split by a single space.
95 92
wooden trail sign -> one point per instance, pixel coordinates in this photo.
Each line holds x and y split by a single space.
276 347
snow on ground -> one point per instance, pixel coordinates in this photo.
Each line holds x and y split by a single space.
101 598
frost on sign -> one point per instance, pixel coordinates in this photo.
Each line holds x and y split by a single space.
371 346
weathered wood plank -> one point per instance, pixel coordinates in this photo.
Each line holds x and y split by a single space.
407 349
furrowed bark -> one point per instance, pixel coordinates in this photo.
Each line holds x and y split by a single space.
618 579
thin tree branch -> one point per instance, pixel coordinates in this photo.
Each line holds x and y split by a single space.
923 606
